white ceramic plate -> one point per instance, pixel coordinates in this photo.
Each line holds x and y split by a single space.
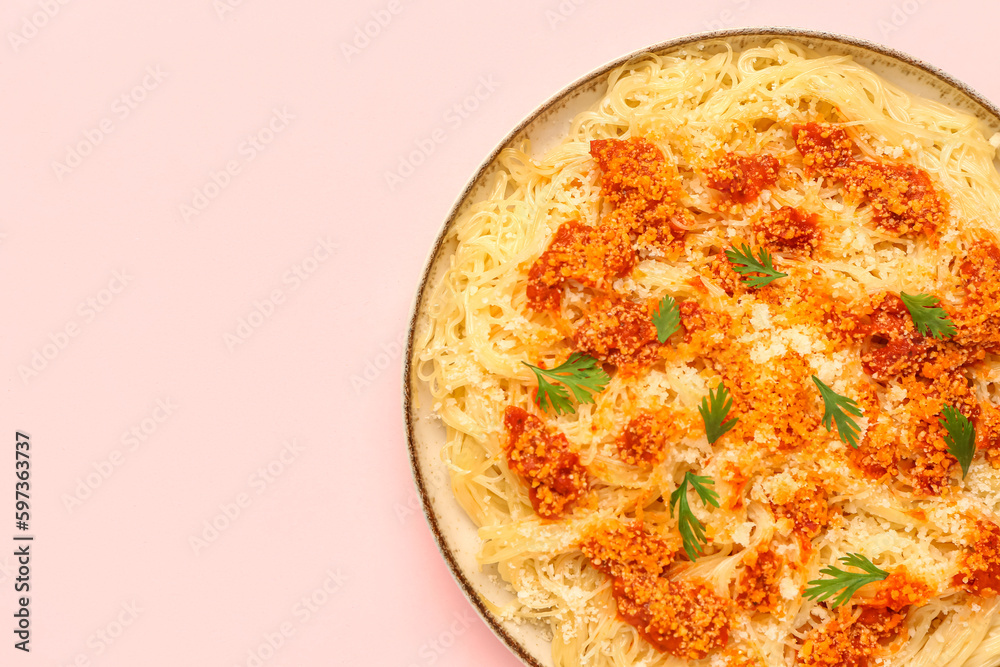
454 531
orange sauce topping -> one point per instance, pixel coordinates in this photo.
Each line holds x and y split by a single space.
744 176
684 618
899 590
878 453
932 372
825 149
788 229
643 190
592 256
790 409
546 461
648 436
720 271
757 587
988 432
979 322
980 561
847 642
902 197
627 549
907 352
932 463
808 509
619 332
702 327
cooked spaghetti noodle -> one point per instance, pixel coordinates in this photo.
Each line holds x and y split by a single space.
861 192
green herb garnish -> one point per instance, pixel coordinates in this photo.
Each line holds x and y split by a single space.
837 409
581 373
928 316
850 582
692 532
744 263
961 438
667 318
714 409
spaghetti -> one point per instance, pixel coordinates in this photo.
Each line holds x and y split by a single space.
859 193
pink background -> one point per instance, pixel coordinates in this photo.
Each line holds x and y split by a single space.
184 310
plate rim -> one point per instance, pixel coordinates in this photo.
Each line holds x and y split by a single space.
801 34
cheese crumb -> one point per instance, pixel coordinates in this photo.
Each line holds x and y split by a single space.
760 317
788 588
741 535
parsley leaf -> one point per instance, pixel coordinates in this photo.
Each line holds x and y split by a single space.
961 438
837 409
823 589
928 316
580 373
744 263
691 530
667 318
714 409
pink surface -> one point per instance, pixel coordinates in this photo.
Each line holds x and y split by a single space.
208 279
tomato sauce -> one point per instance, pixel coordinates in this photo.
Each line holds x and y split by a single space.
643 190
902 197
743 177
825 149
592 256
551 468
684 618
980 561
619 332
645 440
757 588
788 229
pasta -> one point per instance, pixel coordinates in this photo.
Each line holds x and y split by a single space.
791 233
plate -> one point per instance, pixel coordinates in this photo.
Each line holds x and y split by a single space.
454 531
